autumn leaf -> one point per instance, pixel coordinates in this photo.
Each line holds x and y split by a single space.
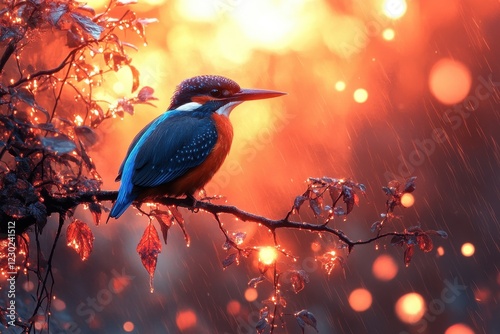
148 248
408 254
146 94
297 203
298 279
229 260
424 243
165 220
79 237
304 317
135 78
180 220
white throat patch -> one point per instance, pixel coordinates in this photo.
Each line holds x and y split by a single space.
190 106
227 108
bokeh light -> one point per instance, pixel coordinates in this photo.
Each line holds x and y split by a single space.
267 255
233 307
360 300
449 81
360 95
58 304
468 249
407 200
186 319
440 251
385 268
459 329
251 294
128 326
340 86
395 9
388 34
410 308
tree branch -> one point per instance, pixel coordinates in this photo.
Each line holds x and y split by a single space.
63 204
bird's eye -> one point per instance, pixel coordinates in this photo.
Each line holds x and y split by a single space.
216 93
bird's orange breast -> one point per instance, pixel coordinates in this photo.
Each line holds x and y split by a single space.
198 176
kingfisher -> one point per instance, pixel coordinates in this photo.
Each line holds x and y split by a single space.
181 150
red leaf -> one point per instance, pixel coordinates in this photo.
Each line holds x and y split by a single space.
79 237
135 78
425 243
298 279
180 220
409 254
145 94
165 220
148 248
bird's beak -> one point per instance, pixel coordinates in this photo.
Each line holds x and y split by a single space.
254 94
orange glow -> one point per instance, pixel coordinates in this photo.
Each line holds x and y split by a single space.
58 304
385 268
186 319
360 300
388 34
449 81
410 308
407 200
251 294
128 326
233 307
468 249
360 95
395 9
459 329
440 251
268 255
315 246
340 86
271 24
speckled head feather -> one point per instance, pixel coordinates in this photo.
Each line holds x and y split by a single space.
209 85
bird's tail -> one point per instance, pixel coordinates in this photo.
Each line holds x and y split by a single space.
122 203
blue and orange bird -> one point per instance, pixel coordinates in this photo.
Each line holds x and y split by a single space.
180 151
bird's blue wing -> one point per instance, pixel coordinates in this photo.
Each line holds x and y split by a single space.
176 144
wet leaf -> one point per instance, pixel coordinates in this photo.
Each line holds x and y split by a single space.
348 198
135 78
148 248
315 204
79 237
410 185
377 226
165 220
96 210
180 220
298 279
397 240
229 260
60 144
408 254
89 26
86 134
304 317
262 324
297 203
256 280
442 234
425 243
146 94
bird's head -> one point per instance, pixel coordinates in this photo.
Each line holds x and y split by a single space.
219 93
